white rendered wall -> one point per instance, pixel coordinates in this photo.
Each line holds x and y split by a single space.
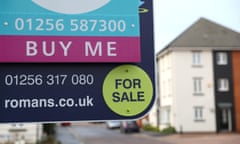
185 100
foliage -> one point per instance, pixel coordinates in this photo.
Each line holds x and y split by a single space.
49 129
50 137
151 128
169 130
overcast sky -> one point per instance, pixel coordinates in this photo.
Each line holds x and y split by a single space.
172 17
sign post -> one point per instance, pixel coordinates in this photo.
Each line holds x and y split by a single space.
76 61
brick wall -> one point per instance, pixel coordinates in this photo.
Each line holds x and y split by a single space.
236 84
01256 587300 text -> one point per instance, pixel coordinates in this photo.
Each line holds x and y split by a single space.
74 25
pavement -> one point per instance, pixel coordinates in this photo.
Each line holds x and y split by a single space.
65 136
224 138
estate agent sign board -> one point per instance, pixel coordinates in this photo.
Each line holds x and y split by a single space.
72 60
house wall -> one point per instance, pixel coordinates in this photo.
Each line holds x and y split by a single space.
154 116
166 90
236 84
224 99
184 100
30 133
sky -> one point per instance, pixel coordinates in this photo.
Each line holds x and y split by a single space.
172 17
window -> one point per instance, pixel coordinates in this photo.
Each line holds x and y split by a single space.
224 116
198 114
222 58
197 86
196 58
165 115
223 85
163 89
19 125
169 87
163 63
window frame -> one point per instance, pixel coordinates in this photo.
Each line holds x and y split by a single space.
198 86
165 115
196 58
198 113
223 85
222 58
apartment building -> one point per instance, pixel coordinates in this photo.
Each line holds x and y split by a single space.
199 80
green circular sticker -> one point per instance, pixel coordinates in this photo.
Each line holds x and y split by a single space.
128 90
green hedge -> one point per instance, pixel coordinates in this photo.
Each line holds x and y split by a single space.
169 130
151 128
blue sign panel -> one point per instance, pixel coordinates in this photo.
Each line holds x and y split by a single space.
50 92
87 31
70 17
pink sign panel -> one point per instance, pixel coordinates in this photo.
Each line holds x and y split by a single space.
69 49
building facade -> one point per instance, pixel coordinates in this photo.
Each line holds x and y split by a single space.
223 76
20 133
199 80
186 91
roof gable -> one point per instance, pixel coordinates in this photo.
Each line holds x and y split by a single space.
205 33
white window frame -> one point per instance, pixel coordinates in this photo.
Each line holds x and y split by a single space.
165 115
222 58
197 85
223 84
198 113
196 58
